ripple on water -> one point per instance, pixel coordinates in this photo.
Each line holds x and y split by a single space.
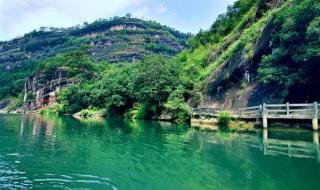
74 181
17 155
11 178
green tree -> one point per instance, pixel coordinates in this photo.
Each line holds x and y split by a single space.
295 46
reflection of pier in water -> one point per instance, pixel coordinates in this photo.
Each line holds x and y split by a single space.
268 146
275 147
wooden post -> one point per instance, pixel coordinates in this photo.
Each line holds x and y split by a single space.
315 125
260 111
288 107
264 116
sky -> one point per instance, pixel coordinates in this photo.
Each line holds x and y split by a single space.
18 17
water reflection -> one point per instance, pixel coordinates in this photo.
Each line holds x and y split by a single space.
297 148
275 145
269 146
40 152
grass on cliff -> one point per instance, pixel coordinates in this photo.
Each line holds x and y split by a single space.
198 64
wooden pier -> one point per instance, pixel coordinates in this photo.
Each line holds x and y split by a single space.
268 111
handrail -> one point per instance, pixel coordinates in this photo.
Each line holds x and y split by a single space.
271 110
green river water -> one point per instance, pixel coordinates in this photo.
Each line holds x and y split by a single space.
64 153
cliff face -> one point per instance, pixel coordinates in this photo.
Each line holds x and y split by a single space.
274 59
39 91
234 84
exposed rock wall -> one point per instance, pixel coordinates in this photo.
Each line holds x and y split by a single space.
234 84
40 91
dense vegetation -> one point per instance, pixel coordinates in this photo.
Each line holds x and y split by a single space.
11 83
237 16
293 62
141 90
77 65
159 87
133 40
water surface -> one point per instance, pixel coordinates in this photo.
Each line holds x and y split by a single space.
64 153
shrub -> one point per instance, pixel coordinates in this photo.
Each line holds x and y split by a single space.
90 112
176 105
224 118
15 103
56 109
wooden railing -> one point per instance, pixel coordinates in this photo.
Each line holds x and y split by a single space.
268 111
205 112
250 112
275 111
281 111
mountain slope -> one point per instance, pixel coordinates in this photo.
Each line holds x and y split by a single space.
120 39
259 51
115 40
274 61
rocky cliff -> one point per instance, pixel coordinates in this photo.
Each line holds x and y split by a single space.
41 91
268 59
234 83
120 39
225 61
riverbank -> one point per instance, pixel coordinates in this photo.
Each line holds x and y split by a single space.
207 124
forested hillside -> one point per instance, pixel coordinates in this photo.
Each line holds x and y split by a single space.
118 39
114 40
258 51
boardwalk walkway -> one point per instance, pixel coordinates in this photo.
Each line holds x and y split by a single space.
268 111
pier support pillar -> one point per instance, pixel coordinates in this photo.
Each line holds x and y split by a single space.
315 124
265 122
264 117
265 135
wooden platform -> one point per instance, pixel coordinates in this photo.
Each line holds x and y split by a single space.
267 111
